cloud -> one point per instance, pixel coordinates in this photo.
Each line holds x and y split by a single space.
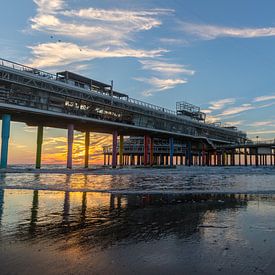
264 98
263 123
101 26
127 19
46 6
102 33
261 132
54 54
234 123
173 41
165 67
209 32
206 111
168 75
220 104
55 148
237 110
158 84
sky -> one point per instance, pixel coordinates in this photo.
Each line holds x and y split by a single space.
216 54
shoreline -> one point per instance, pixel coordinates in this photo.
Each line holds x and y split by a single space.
137 169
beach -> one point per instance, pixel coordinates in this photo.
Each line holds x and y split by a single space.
126 222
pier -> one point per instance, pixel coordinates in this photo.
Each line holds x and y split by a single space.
70 101
182 153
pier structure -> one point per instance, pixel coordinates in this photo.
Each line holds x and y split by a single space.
165 153
70 101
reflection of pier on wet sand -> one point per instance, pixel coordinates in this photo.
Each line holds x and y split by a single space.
84 232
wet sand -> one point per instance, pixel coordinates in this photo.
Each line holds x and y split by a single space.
61 232
204 220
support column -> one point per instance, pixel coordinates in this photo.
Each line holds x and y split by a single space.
190 157
161 159
70 146
6 119
245 156
215 158
39 142
151 152
104 159
233 157
199 158
114 150
138 159
145 150
132 160
240 156
171 144
186 157
87 147
203 155
121 147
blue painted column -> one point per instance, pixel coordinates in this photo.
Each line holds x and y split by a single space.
6 119
171 143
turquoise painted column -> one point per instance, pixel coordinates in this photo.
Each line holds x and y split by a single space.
171 143
70 146
6 119
39 146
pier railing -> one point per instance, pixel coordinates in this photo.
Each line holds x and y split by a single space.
47 75
71 99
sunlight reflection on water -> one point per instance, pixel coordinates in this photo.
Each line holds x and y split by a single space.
149 180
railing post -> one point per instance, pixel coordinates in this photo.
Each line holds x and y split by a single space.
6 119
39 146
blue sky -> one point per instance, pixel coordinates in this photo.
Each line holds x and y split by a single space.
216 54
